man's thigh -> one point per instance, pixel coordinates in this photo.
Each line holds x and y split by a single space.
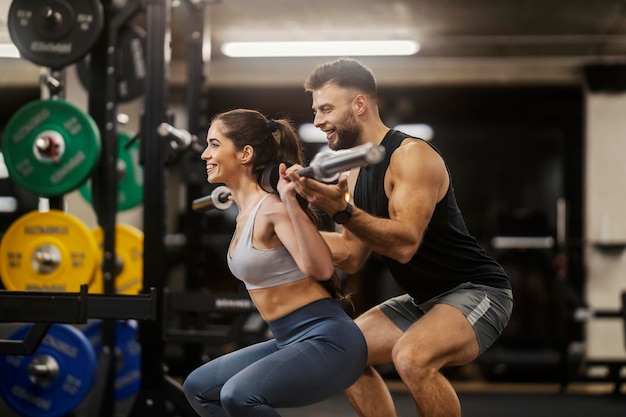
487 309
442 337
381 334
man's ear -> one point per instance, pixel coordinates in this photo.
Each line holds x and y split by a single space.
246 154
360 104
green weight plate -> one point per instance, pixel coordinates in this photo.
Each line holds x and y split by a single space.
130 175
50 147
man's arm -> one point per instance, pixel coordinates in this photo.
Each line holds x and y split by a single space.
349 253
415 181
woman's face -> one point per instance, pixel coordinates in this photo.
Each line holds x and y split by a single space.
221 156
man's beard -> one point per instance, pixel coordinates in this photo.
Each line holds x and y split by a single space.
348 134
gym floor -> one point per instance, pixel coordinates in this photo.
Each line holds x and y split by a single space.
497 400
478 399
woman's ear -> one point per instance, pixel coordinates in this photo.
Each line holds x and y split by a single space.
246 154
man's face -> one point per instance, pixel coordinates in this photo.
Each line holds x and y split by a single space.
334 115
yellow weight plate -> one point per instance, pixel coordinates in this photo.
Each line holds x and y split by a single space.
48 251
129 260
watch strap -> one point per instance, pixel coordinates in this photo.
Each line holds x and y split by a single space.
344 215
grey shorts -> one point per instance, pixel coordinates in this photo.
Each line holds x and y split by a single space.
488 309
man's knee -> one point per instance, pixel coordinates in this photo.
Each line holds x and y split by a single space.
407 362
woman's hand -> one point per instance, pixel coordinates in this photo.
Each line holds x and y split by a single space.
285 187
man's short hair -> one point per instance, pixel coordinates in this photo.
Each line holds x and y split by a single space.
346 73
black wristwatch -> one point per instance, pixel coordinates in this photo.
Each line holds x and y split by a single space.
343 216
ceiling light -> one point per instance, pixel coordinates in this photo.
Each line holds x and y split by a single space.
417 130
322 48
9 50
311 134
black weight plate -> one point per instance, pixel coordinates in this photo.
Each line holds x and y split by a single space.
130 60
55 33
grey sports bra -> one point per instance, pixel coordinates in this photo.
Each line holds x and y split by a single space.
261 268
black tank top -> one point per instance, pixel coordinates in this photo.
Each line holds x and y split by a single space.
448 255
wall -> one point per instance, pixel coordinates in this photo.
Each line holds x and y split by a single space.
605 220
604 201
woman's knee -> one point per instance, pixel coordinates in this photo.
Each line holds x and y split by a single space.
200 387
190 386
235 397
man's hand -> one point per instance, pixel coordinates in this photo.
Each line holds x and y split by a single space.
329 198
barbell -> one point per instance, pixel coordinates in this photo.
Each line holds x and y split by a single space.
325 167
328 165
217 199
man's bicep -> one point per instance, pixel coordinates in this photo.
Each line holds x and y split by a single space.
416 186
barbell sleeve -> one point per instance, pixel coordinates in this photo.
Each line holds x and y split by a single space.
180 139
217 199
327 166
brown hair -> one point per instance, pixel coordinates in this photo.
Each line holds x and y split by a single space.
345 72
274 141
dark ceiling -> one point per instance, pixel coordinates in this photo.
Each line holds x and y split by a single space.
445 28
462 41
482 40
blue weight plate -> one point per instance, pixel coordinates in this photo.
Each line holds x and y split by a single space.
55 394
127 355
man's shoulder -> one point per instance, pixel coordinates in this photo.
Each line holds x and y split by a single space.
414 145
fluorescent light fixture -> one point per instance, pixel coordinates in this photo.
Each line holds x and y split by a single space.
8 204
9 50
311 134
417 130
321 48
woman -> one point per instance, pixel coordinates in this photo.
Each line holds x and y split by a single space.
277 251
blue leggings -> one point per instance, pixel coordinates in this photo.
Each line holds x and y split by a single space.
317 352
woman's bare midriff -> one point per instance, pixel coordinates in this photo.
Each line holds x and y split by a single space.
276 302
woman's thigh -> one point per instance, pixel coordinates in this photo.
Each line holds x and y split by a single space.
208 379
297 375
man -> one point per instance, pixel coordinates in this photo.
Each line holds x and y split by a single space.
458 299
